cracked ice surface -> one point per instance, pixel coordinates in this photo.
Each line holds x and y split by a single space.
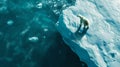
100 46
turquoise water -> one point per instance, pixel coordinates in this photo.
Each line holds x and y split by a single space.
28 37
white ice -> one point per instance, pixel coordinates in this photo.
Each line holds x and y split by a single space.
100 46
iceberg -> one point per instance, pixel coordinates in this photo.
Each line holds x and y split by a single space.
100 45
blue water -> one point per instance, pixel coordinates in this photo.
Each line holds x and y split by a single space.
28 37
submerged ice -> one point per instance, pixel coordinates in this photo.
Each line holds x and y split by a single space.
100 45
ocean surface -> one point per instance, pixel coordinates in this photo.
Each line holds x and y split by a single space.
29 38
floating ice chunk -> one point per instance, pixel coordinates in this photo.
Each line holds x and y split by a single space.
44 37
45 30
39 5
25 31
33 39
10 22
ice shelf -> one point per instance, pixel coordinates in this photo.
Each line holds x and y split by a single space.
100 45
